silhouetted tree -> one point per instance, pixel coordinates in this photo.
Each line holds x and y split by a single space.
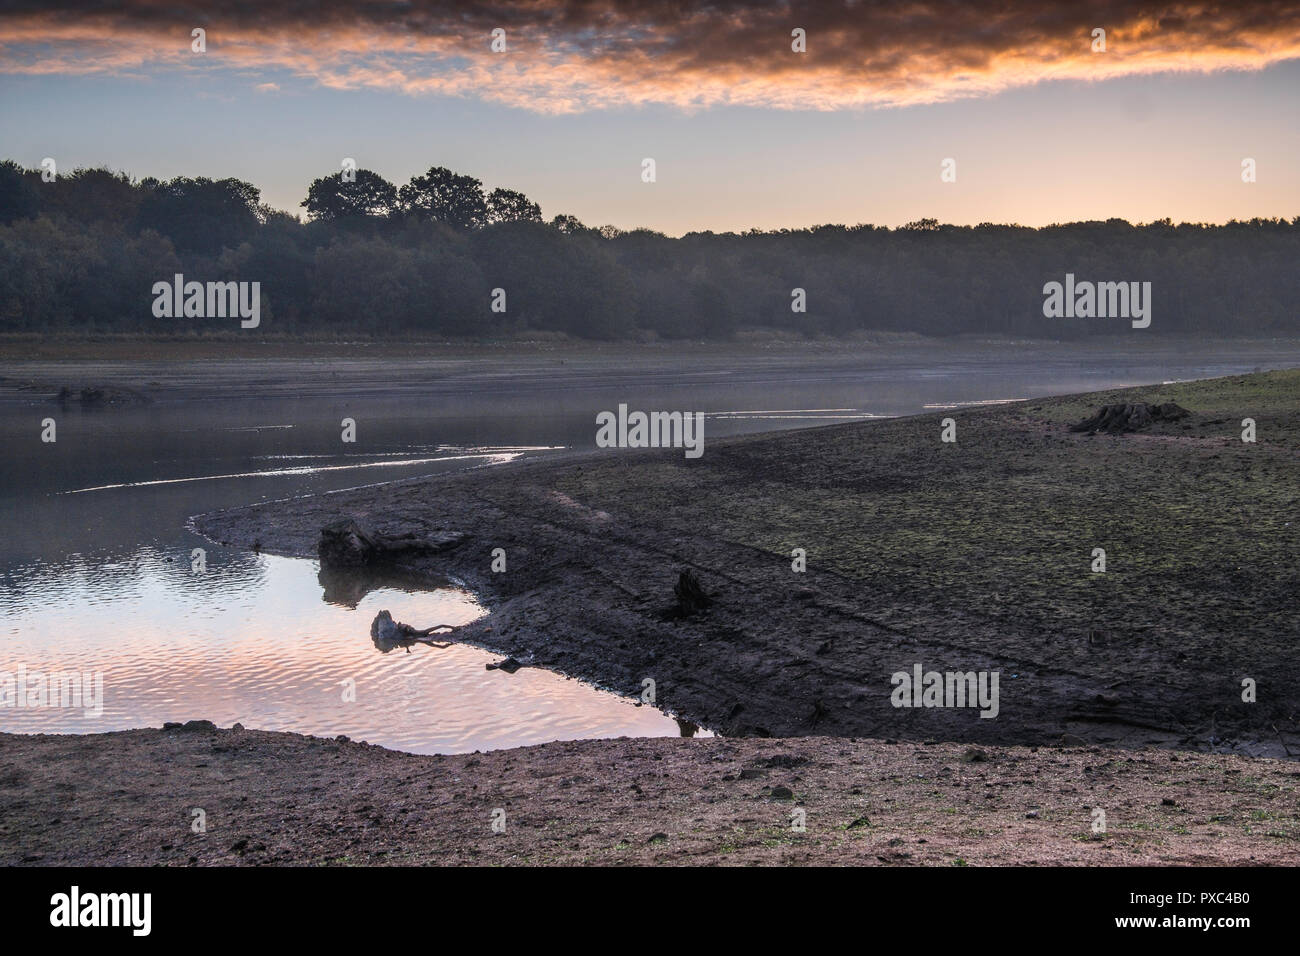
568 224
444 196
332 198
506 205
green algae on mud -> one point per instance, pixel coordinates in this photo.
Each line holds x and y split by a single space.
968 555
1007 517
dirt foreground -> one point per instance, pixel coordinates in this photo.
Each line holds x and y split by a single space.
129 798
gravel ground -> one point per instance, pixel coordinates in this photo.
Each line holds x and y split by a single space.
128 798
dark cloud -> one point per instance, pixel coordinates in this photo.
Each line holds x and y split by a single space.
581 55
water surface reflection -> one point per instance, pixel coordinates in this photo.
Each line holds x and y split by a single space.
273 644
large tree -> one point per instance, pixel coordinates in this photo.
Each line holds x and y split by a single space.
444 196
506 205
569 225
332 198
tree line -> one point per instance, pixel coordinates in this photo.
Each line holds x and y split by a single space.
82 251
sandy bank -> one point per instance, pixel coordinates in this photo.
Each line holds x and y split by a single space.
129 798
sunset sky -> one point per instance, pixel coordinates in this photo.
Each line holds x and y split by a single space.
744 131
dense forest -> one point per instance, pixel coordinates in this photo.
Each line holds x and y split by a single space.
81 253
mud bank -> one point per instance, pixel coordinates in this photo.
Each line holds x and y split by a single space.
968 556
129 798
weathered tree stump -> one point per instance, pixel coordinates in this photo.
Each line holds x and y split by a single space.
1119 418
345 544
691 596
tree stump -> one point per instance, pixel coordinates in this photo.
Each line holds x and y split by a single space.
346 544
691 596
1120 418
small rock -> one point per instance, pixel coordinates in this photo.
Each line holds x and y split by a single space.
1169 802
1031 815
974 755
785 760
509 665
781 793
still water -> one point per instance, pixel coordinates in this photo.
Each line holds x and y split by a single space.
95 557
254 641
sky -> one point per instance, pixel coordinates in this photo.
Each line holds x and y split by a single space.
745 132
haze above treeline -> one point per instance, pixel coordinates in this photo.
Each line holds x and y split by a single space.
81 253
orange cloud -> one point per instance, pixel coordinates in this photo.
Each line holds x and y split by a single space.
569 57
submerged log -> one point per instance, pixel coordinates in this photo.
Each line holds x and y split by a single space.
388 635
1119 418
384 628
346 544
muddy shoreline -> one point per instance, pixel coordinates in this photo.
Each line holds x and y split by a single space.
595 543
